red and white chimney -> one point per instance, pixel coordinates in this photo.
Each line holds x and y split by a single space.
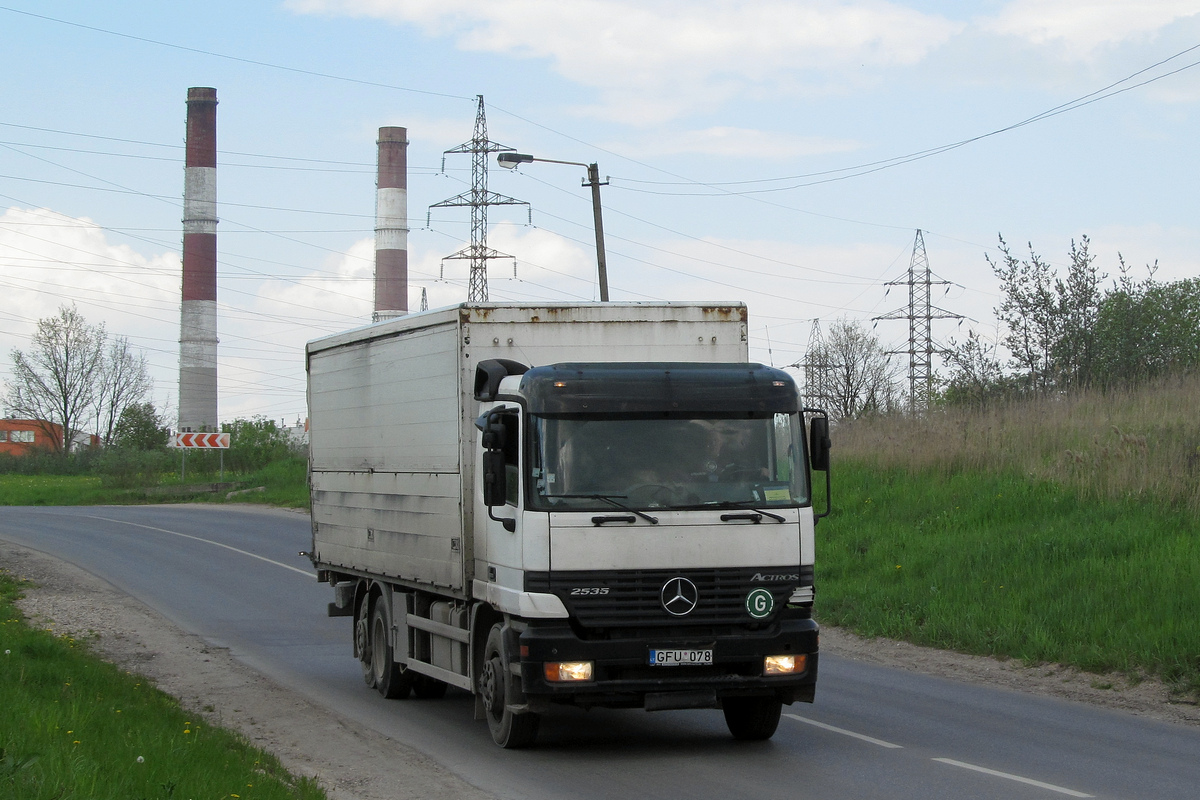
198 320
391 225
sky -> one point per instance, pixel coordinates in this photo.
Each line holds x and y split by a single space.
780 153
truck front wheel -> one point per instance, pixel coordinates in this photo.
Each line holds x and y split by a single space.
509 730
752 719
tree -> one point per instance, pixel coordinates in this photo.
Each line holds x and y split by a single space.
1051 323
976 375
1077 307
254 443
140 427
55 382
123 382
1147 329
1027 310
861 377
73 375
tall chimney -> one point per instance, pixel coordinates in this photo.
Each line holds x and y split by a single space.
391 225
198 320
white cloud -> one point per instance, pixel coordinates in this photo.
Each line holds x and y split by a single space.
1082 26
652 60
49 260
333 298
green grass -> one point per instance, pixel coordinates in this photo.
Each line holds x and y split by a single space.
284 484
1003 565
75 727
52 490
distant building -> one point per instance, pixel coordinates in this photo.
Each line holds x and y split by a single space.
297 435
19 436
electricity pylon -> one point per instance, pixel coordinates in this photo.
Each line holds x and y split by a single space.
818 389
478 199
920 313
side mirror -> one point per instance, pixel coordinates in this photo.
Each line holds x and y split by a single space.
495 483
819 444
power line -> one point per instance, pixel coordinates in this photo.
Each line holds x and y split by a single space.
876 166
227 57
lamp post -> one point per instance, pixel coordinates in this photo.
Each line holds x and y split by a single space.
512 160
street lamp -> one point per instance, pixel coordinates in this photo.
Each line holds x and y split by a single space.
512 160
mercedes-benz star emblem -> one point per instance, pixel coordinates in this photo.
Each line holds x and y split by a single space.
679 596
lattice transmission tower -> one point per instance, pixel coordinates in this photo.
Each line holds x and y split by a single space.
920 314
478 199
818 371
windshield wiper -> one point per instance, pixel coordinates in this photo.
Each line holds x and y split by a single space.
746 505
607 499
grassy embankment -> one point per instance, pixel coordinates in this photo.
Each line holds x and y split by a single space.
283 484
1063 531
72 726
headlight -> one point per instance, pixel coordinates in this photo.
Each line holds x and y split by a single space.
565 671
785 665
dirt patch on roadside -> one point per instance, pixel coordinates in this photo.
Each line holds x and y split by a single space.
355 763
1148 697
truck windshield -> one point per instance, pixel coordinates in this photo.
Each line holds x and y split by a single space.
667 463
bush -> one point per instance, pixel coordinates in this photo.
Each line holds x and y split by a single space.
128 467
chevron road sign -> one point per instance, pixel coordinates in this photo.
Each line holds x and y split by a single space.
200 440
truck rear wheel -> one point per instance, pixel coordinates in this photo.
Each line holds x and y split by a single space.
391 680
509 730
362 641
752 719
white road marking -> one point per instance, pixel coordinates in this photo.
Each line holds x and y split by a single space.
845 732
1018 778
206 541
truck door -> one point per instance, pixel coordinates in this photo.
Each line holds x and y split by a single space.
502 452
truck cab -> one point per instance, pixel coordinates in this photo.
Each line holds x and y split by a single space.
651 525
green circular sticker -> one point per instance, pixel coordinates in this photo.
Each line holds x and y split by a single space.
759 603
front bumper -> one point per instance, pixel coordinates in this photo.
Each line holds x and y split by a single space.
623 677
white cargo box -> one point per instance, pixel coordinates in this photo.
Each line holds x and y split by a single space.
392 412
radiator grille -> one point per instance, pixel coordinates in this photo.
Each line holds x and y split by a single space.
633 598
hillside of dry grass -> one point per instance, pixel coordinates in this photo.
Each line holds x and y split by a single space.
1141 443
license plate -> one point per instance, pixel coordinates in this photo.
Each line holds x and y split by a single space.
681 658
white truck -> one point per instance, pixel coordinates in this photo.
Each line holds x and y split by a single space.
596 504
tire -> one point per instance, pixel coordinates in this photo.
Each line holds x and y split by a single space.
362 641
391 680
427 688
752 719
509 730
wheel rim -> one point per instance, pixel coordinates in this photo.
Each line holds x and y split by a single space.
378 648
491 688
362 635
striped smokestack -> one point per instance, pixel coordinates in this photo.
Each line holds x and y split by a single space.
391 225
198 320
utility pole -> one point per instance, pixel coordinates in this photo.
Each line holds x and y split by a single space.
511 160
601 260
478 199
920 314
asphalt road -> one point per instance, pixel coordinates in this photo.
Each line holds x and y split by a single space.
234 577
